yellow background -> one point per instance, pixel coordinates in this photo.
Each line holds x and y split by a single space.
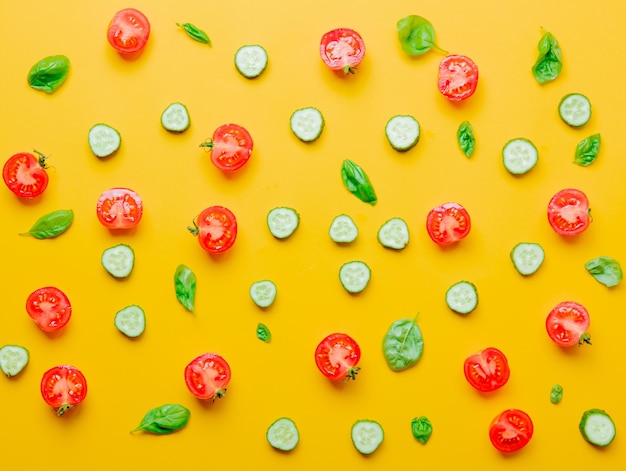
176 180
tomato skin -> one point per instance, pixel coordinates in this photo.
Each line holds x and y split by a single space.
207 376
567 324
50 308
487 370
568 212
63 387
458 77
25 175
119 208
342 49
216 228
448 223
337 357
231 147
128 31
511 430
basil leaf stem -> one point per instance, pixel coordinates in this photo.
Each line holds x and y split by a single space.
49 73
263 333
403 344
605 270
185 287
422 429
416 35
465 138
195 33
357 182
164 419
51 225
587 150
549 63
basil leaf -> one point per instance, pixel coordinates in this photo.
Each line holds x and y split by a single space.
587 150
51 224
357 182
185 287
465 138
403 344
422 429
556 394
549 63
605 270
164 419
263 333
195 33
49 73
416 35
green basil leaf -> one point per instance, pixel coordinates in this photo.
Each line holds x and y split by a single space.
52 224
465 138
185 287
263 333
556 394
403 344
195 33
357 182
605 270
549 63
49 73
422 429
416 35
164 419
587 150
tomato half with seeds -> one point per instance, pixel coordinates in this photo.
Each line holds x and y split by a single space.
63 387
511 430
128 31
25 174
49 307
207 376
487 370
337 357
342 49
119 208
231 147
448 223
568 212
458 77
216 228
567 324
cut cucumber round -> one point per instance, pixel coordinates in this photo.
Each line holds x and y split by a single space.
367 436
462 297
175 118
343 230
104 140
13 359
575 109
251 60
131 321
394 234
283 434
263 293
402 132
519 156
527 257
307 124
118 260
282 221
597 427
354 276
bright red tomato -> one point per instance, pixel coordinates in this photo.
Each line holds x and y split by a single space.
487 370
567 324
128 31
25 175
342 49
568 212
207 376
119 208
63 387
216 228
458 77
49 307
231 147
448 223
337 357
511 430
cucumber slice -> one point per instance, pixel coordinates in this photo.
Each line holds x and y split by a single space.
104 140
462 297
597 427
251 60
354 276
394 234
283 434
343 230
403 132
175 118
519 156
263 293
131 321
367 436
282 221
13 359
527 257
575 110
118 260
307 124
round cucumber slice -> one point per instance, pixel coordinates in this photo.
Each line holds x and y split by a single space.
251 60
263 293
283 434
307 124
575 109
403 132
367 435
282 222
13 359
394 234
104 140
175 118
462 297
354 276
519 156
527 257
343 230
131 321
118 260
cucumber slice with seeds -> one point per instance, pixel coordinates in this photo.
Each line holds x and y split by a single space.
282 221
263 293
403 132
343 230
354 276
131 321
104 140
283 434
307 124
118 260
394 234
175 118
597 427
462 297
251 60
519 156
367 436
13 359
527 257
575 109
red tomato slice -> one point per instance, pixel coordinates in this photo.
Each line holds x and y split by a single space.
511 430
128 31
49 307
342 49
63 387
568 212
207 376
119 208
216 228
458 77
567 324
337 357
231 147
25 175
487 370
448 223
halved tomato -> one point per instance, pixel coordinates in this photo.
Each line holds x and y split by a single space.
128 31
49 307
511 430
119 208
25 175
216 228
337 356
63 387
568 212
448 223
567 324
207 376
458 77
487 370
231 147
342 49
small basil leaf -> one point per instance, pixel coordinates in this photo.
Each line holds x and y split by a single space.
357 182
416 35
605 270
49 73
52 224
587 150
185 287
422 429
465 138
556 394
195 33
263 333
164 419
549 63
403 344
